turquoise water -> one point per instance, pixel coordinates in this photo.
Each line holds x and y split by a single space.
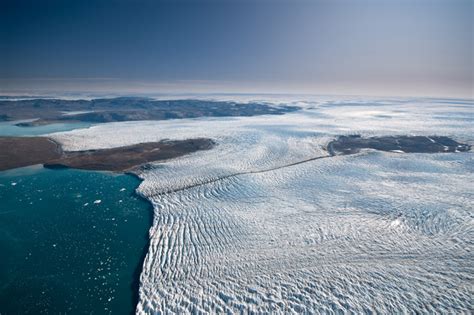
9 128
71 241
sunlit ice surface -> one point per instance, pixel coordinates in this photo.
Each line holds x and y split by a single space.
267 221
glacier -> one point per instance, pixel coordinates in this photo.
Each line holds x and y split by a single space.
268 222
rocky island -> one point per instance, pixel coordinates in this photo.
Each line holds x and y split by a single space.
353 144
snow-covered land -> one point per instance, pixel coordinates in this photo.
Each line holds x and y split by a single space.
237 230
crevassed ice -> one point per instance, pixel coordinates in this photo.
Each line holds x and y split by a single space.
372 232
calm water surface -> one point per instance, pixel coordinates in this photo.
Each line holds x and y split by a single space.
71 241
9 129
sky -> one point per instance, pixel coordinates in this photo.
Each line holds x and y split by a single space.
366 47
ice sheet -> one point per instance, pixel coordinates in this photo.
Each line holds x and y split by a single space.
246 227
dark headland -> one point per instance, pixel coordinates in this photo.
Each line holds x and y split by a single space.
25 151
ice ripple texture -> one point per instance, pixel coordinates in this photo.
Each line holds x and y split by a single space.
237 231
